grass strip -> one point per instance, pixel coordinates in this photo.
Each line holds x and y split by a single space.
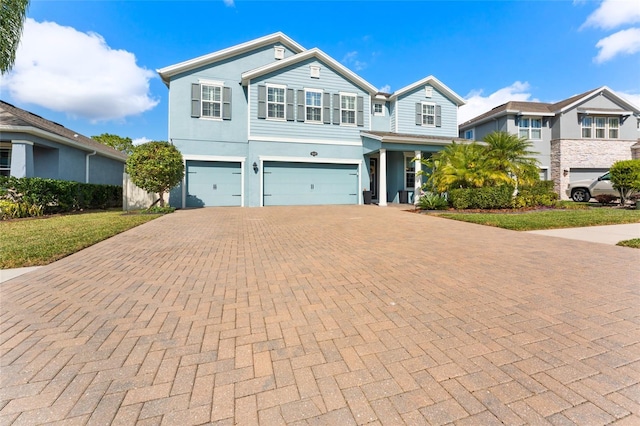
549 219
41 241
634 243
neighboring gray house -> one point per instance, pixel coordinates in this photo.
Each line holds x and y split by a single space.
269 122
577 138
31 146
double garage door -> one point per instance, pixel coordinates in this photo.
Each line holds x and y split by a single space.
218 183
582 173
286 184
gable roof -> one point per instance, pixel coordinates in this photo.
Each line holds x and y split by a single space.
311 53
14 119
171 70
433 82
549 109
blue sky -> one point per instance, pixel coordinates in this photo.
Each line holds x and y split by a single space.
90 65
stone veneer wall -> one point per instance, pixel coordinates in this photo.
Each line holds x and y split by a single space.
584 153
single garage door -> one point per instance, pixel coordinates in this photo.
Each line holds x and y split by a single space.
213 183
583 173
288 184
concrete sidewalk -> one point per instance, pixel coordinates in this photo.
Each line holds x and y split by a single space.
609 234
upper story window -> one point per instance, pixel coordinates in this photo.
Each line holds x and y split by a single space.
378 109
5 158
313 105
211 101
468 134
275 102
428 114
347 109
530 128
600 127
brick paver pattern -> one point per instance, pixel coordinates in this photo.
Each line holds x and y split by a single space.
324 316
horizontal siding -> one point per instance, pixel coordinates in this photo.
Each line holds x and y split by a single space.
183 126
297 77
407 114
571 128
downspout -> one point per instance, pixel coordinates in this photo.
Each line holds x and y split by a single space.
86 178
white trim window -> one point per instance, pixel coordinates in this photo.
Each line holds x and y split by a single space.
409 172
587 124
428 114
530 128
378 109
600 127
276 102
211 101
5 158
313 105
347 108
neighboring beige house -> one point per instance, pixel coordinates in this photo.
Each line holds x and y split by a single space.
577 138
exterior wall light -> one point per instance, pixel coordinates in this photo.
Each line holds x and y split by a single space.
255 167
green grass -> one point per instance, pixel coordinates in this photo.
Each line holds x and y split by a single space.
549 219
634 243
41 241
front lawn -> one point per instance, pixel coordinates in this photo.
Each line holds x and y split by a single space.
549 219
36 242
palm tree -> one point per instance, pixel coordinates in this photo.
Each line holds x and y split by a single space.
463 166
12 14
512 155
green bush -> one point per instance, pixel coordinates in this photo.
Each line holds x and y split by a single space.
625 177
160 210
58 196
540 193
492 197
432 201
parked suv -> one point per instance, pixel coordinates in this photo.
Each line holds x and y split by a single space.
584 190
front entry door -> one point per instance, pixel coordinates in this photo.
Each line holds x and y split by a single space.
373 177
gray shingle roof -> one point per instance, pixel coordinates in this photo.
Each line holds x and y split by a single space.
11 115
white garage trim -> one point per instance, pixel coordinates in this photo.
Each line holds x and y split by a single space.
212 158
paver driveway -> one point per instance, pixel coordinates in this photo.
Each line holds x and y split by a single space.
324 315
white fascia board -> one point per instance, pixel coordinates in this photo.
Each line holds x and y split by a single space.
582 99
301 140
435 83
57 138
600 112
473 122
311 53
371 136
603 89
535 114
171 70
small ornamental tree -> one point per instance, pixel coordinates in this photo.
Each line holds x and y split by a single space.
625 177
155 167
116 142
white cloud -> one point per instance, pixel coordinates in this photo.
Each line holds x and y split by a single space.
614 13
385 89
351 60
140 141
66 70
477 104
229 3
620 43
633 98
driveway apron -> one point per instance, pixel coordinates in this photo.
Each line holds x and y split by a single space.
330 315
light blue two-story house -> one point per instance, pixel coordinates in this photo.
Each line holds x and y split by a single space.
268 122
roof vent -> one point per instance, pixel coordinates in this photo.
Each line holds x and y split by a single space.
315 71
278 52
428 91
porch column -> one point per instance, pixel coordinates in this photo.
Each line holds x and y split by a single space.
418 179
21 159
382 193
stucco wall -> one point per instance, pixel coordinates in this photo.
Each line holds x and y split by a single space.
584 153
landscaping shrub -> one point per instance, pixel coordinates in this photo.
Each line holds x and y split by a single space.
606 198
432 201
57 196
540 193
625 177
493 197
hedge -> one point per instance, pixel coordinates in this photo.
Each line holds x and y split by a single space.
493 197
541 193
57 196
